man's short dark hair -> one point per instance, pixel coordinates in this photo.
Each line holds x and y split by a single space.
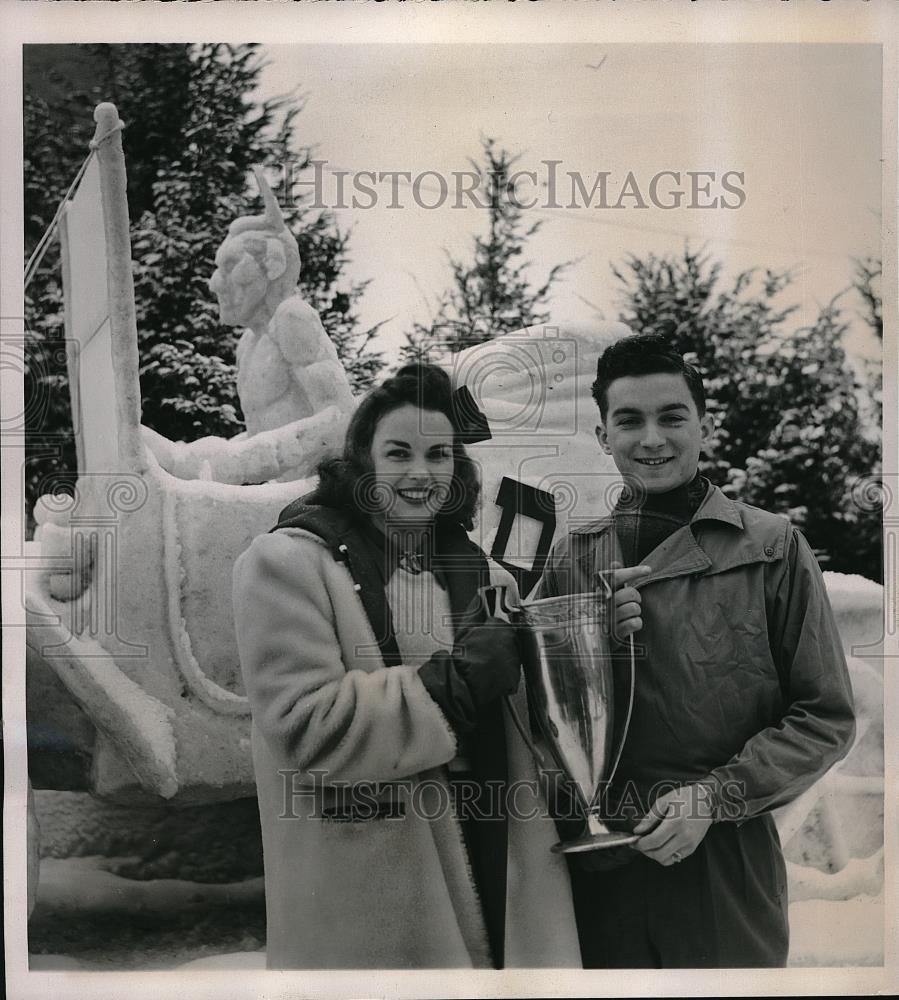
643 354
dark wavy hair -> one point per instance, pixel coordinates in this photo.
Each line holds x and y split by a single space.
643 354
341 480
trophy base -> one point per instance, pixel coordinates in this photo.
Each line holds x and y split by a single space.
594 842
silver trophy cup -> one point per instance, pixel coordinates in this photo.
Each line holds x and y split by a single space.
568 675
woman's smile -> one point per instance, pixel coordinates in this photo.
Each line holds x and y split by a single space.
417 495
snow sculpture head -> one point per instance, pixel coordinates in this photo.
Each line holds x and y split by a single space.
257 265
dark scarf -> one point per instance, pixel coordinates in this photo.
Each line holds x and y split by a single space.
642 527
458 564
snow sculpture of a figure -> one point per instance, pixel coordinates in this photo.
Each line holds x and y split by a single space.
293 390
287 366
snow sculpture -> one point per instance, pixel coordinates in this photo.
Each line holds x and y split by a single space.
293 391
287 365
130 609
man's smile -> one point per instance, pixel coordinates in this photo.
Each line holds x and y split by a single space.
653 461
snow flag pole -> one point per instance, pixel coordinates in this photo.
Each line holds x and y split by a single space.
101 326
120 284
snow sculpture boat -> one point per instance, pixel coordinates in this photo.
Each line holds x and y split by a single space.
131 608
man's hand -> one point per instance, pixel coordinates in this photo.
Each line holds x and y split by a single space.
626 599
675 825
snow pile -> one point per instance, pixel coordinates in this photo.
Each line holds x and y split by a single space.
825 932
861 877
833 835
838 919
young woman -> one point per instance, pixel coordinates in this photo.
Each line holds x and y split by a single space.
401 820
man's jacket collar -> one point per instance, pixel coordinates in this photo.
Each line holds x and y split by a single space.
718 507
679 555
715 507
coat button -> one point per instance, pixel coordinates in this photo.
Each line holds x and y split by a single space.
769 550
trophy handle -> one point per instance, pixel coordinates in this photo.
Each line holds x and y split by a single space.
602 580
494 601
627 718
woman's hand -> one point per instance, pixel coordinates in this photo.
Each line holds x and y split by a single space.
485 664
489 658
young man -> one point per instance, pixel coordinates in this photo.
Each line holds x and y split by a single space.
742 695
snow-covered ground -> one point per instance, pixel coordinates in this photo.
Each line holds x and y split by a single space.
844 932
827 930
823 933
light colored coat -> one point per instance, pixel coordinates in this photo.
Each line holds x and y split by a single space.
383 892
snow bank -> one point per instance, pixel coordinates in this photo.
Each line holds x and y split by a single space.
825 932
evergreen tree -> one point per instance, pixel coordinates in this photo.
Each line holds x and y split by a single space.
866 275
192 133
791 435
492 295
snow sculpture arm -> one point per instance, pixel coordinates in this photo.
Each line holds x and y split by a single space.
292 451
298 332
